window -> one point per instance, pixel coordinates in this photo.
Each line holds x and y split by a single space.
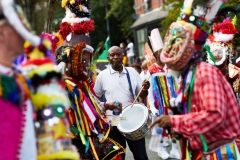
141 40
147 5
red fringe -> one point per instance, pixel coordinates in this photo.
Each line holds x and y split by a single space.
38 61
83 27
65 29
77 28
226 27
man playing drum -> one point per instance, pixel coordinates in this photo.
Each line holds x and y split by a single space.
113 82
209 113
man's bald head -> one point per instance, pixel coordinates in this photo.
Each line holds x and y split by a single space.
115 57
114 49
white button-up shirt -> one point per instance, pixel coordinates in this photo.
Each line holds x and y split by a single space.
116 87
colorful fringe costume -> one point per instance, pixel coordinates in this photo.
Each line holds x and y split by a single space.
24 136
89 130
195 96
50 103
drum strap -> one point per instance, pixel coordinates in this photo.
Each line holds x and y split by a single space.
129 82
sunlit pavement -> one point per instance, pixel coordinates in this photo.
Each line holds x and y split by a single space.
151 155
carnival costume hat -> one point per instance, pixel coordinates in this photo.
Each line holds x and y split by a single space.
50 101
185 37
77 20
219 45
156 43
156 40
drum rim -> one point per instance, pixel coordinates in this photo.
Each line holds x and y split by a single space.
135 128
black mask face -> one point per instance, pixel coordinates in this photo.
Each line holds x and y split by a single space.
61 54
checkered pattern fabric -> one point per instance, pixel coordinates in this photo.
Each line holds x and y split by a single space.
214 109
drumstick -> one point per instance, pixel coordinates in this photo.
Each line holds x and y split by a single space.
112 115
139 93
121 117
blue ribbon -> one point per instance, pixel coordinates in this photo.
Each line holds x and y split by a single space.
171 84
71 96
156 92
229 152
161 93
87 144
218 153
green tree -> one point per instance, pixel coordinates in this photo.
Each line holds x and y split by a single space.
177 5
43 15
123 11
173 8
99 15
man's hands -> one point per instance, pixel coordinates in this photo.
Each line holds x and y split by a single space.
163 121
144 91
145 85
112 105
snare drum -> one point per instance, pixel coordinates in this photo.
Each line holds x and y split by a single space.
134 125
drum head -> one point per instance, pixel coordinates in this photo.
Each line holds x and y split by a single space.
133 118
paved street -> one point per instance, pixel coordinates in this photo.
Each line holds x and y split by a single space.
151 155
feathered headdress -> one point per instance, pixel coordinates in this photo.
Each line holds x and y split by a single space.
219 45
186 37
224 31
77 19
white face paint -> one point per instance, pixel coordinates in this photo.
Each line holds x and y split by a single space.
220 52
86 62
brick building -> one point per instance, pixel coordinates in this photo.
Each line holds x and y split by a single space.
148 14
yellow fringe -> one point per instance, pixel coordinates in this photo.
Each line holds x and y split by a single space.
40 100
117 144
41 70
61 156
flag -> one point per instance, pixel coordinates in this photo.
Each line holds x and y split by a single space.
104 55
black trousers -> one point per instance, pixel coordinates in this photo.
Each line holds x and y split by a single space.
138 147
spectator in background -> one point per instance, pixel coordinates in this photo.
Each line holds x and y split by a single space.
137 60
125 58
137 67
144 73
130 51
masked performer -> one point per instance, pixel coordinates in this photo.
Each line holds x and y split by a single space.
88 129
219 46
219 52
207 110
157 105
21 98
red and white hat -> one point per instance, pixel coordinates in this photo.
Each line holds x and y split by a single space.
220 43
